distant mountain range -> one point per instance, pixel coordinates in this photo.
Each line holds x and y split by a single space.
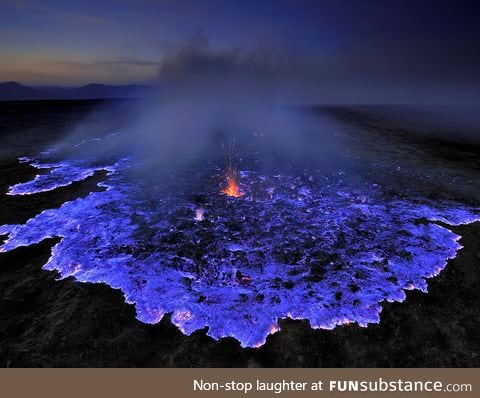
10 91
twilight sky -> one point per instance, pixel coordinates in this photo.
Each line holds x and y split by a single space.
347 46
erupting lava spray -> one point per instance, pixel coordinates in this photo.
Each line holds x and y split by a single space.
232 188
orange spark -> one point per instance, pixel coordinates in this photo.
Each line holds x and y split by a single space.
232 188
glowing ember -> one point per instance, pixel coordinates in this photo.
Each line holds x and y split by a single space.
232 188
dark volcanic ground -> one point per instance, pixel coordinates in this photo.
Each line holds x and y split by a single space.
44 322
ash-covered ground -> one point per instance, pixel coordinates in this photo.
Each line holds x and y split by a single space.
327 244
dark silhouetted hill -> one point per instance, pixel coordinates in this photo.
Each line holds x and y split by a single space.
16 91
10 91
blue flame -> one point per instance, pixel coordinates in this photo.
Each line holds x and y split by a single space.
305 247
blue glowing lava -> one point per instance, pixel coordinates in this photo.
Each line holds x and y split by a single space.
302 246
60 175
